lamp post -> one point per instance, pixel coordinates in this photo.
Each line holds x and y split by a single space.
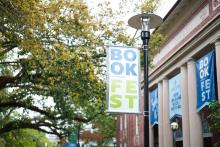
114 142
174 127
145 22
78 135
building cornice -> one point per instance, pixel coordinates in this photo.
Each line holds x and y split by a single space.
199 42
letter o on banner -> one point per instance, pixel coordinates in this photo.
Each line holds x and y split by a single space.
130 55
117 68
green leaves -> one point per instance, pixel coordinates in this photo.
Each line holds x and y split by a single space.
24 138
214 120
51 64
55 75
214 116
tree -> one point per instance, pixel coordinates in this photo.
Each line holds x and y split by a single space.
120 32
51 63
54 60
214 121
105 128
24 138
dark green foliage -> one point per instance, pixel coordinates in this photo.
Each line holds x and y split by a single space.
214 120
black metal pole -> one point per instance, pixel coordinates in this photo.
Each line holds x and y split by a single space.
143 21
145 36
174 138
78 136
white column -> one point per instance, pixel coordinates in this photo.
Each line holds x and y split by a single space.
196 139
185 107
151 135
167 132
217 61
160 114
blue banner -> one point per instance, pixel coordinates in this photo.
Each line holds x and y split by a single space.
175 97
205 80
154 107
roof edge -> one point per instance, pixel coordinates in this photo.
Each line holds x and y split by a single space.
171 10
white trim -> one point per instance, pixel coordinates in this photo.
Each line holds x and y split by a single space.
215 4
188 28
205 104
207 135
136 125
120 123
125 121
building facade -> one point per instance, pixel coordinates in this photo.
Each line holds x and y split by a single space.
185 78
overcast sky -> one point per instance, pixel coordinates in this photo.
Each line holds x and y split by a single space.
165 5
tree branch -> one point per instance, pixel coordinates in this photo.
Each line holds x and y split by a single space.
37 109
14 125
27 106
4 80
8 47
9 62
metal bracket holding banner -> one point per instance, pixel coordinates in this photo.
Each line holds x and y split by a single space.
146 113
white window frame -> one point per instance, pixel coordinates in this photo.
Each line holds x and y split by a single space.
136 125
120 123
125 121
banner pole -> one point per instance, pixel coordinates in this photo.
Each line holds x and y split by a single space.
145 36
145 21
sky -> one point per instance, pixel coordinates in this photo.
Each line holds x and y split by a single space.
165 5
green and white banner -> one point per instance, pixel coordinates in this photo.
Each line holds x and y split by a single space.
123 86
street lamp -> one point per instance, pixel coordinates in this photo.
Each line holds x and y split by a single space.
174 127
145 22
114 142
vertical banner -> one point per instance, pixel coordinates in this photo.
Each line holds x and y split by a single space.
123 87
175 97
205 80
154 107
